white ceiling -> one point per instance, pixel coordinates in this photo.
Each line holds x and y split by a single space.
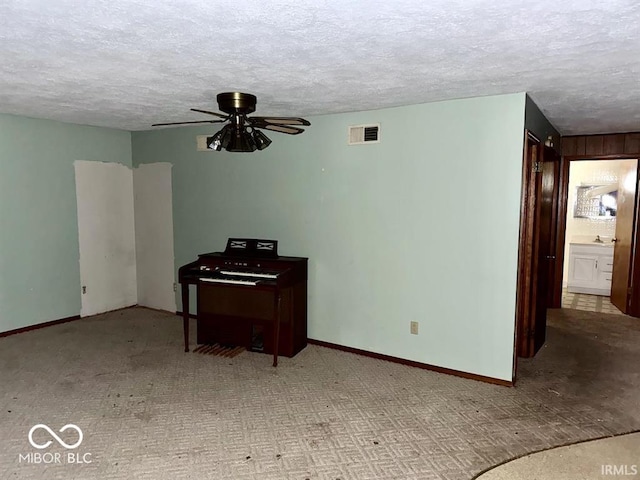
129 63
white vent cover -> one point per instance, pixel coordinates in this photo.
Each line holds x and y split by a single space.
359 134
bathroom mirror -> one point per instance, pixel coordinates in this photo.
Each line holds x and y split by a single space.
596 201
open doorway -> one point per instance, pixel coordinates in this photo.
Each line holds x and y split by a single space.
593 196
542 250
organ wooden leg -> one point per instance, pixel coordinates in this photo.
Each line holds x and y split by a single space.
185 315
276 329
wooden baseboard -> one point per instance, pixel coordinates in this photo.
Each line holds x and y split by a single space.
411 363
39 325
402 361
75 317
63 320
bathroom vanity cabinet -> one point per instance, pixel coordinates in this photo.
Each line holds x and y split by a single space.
590 268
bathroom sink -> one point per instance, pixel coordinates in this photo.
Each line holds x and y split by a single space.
590 240
603 241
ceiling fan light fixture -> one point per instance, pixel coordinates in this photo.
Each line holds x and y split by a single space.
261 140
241 141
215 141
227 136
221 139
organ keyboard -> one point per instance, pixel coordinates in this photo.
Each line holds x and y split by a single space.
232 281
248 296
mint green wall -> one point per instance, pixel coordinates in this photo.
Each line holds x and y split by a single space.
39 269
422 226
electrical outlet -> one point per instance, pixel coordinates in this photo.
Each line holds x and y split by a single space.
175 287
414 328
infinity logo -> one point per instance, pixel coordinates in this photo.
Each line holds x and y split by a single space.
58 439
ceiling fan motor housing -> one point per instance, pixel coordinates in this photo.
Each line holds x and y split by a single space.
236 102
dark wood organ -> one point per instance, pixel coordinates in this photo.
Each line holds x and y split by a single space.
248 296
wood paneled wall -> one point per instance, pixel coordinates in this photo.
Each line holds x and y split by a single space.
601 145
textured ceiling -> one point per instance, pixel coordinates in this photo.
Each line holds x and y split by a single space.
129 63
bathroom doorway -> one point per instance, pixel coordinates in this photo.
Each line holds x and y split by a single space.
599 211
626 264
595 187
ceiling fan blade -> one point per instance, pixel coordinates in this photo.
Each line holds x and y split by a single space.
281 120
279 128
210 113
185 123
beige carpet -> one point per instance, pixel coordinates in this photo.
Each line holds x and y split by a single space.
150 411
598 459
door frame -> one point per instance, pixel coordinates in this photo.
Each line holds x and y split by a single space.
563 200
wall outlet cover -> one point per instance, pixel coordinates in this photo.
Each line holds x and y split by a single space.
414 328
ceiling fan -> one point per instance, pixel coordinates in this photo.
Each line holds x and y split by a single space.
242 133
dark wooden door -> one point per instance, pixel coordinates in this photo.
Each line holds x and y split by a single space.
537 233
551 185
623 250
544 232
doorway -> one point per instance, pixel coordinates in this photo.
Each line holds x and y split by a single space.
592 220
625 275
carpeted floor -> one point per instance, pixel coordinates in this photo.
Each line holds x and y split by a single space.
149 411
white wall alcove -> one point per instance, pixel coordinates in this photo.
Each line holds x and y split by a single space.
154 236
104 193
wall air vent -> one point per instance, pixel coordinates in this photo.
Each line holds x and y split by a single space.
360 134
